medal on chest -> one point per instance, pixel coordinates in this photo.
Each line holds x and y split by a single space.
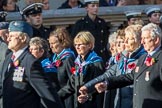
18 74
147 76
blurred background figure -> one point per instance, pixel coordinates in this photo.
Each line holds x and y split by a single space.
3 45
158 1
132 17
71 4
120 40
96 26
9 5
3 16
29 2
153 14
46 5
129 2
33 15
4 48
112 48
4 31
103 3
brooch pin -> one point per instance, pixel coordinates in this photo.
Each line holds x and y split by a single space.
137 69
147 76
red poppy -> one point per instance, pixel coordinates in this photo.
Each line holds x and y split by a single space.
117 57
131 66
16 63
149 61
58 63
73 70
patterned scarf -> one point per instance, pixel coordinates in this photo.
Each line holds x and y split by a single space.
51 66
80 66
126 60
110 62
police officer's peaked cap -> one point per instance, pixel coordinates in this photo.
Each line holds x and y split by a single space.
2 16
132 14
91 1
34 8
21 26
4 25
149 11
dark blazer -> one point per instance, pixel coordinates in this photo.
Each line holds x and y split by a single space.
65 5
76 81
3 48
147 94
34 91
42 32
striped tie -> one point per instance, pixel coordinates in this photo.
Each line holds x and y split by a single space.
12 60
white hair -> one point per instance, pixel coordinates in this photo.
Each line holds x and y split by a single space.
155 30
111 39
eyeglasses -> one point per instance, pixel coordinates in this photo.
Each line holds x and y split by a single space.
79 44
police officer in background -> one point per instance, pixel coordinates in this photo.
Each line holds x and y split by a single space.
33 15
95 25
3 15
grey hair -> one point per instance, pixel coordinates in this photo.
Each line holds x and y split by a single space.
155 30
111 39
27 36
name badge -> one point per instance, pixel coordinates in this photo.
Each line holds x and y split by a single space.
18 74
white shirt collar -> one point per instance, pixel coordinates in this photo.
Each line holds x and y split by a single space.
19 52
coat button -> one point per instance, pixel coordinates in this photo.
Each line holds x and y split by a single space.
101 41
136 80
135 94
101 51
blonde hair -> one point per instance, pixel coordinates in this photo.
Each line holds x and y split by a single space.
85 37
120 33
134 30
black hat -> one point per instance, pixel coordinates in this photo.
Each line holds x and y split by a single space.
34 8
3 16
132 14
